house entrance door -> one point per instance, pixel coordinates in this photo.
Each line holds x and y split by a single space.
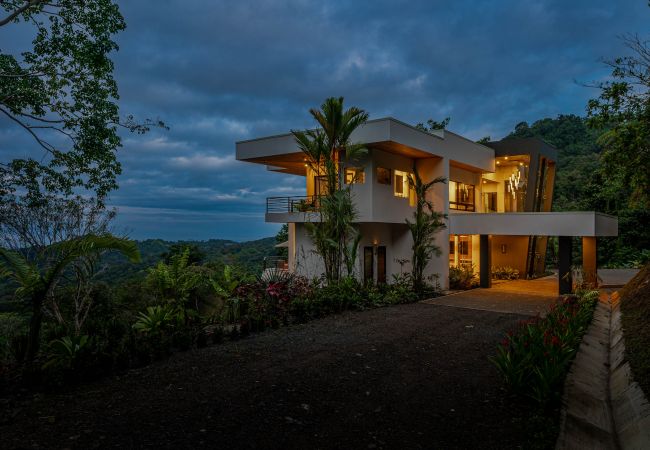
368 264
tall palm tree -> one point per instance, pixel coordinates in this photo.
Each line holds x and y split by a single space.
37 282
326 148
329 145
426 223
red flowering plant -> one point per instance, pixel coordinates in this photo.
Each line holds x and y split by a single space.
268 300
534 357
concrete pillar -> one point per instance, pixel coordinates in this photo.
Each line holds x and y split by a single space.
589 260
564 265
486 261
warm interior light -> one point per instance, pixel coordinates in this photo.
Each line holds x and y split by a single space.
498 162
521 164
375 242
506 158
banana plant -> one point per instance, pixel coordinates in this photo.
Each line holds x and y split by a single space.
226 287
37 282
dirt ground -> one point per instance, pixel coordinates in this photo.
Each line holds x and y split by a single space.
412 376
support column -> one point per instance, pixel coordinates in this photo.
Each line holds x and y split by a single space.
564 265
486 261
589 261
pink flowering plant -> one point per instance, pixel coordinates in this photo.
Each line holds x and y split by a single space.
534 358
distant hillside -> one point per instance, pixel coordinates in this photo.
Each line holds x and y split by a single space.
578 156
247 255
115 268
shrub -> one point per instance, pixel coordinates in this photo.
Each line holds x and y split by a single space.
68 351
156 320
534 358
504 273
462 277
347 293
12 328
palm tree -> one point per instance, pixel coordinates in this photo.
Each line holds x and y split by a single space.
426 223
326 148
329 145
37 282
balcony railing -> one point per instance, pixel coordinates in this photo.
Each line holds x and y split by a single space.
461 206
275 262
308 203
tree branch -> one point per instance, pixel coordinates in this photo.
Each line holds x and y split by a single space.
47 146
19 11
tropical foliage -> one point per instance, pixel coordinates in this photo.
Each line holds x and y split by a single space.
504 273
326 149
425 225
623 111
37 281
534 358
62 93
463 277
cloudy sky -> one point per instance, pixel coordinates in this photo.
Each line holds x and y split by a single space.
222 71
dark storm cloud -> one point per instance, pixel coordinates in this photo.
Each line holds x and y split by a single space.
219 72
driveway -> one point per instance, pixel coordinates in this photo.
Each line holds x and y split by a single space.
527 297
404 377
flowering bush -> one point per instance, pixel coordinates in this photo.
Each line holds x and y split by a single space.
534 358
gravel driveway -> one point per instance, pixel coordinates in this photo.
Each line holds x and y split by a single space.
411 376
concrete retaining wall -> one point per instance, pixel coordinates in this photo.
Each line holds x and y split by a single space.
630 408
603 408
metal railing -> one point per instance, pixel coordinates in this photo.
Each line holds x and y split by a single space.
461 206
276 262
307 203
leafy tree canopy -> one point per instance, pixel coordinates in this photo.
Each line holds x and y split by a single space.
62 93
623 111
194 254
433 125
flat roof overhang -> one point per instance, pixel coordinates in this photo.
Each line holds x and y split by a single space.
281 153
578 223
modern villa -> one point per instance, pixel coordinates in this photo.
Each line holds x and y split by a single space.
497 200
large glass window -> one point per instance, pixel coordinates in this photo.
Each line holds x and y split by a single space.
490 202
354 175
460 250
401 185
461 196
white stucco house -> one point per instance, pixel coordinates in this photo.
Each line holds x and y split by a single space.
497 200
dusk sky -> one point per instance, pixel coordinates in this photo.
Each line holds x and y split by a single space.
219 72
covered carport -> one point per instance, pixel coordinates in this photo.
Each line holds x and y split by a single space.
566 225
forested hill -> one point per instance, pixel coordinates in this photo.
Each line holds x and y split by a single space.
247 255
578 153
115 269
580 185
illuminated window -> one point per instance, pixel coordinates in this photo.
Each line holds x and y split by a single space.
383 175
461 196
401 188
354 175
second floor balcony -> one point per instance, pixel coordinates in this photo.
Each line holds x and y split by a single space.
292 209
295 204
